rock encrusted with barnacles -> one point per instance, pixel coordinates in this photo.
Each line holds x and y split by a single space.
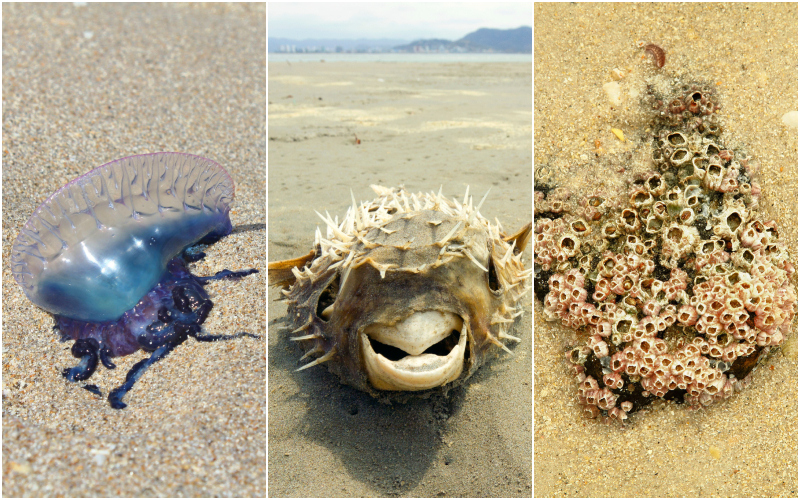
408 293
677 289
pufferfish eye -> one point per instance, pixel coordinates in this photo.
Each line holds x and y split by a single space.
327 299
494 285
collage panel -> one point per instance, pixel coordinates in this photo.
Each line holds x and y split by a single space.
400 183
665 250
134 296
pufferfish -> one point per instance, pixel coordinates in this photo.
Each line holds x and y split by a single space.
410 292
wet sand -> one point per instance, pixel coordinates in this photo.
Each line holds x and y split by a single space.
422 125
749 51
83 86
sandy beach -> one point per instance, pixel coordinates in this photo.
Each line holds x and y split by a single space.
84 85
749 53
421 125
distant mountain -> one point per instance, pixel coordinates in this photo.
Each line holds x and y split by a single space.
483 40
516 40
333 45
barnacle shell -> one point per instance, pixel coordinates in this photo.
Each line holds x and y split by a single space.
409 292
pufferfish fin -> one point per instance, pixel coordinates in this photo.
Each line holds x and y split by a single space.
280 272
522 237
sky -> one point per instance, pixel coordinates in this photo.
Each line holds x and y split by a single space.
401 20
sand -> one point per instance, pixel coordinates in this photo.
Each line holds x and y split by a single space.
750 52
83 86
422 125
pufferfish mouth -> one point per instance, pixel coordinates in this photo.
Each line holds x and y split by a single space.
423 351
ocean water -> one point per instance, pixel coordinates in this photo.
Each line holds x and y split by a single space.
411 58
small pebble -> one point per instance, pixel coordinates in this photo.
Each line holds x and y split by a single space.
21 468
618 133
790 119
613 92
715 453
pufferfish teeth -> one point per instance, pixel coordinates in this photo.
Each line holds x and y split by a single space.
417 332
413 373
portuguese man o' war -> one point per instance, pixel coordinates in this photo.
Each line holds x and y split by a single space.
107 255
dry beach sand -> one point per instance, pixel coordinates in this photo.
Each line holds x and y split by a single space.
422 125
83 86
741 447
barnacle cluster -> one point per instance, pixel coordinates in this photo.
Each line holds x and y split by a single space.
677 290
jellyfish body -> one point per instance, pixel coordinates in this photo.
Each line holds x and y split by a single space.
107 255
